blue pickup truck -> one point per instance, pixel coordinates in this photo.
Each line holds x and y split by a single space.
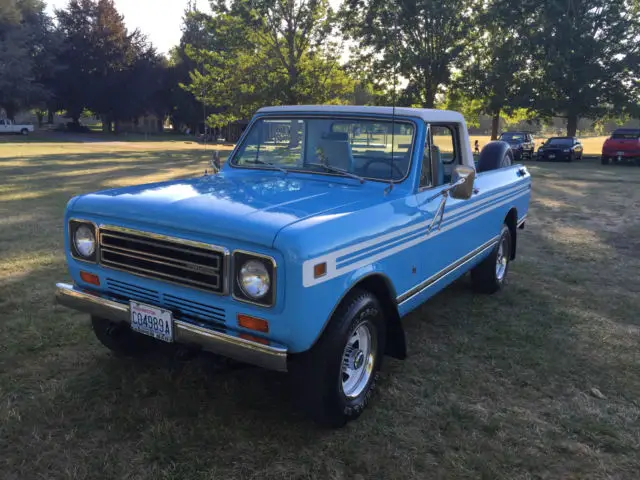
325 226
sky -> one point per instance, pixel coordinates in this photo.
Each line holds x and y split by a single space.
159 20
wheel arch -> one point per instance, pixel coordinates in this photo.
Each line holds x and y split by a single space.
511 221
381 286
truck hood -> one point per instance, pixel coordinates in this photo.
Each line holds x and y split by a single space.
252 208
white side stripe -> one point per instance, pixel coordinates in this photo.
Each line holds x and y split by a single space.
450 215
333 271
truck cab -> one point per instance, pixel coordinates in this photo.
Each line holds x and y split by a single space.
302 253
8 126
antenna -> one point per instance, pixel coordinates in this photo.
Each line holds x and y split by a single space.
395 83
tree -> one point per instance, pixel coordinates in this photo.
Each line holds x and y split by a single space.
106 68
268 52
186 109
494 74
25 37
584 55
418 39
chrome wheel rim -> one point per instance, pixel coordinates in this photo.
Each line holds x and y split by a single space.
501 259
358 360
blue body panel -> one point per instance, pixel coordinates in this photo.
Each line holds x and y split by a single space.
301 220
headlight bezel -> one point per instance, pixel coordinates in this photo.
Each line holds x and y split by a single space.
242 257
74 226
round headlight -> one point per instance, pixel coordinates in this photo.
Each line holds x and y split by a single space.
254 279
85 241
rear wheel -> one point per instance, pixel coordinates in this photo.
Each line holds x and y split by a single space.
489 276
24 131
119 338
336 378
604 160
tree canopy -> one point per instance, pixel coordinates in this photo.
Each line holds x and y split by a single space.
268 52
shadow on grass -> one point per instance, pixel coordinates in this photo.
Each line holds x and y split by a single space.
495 386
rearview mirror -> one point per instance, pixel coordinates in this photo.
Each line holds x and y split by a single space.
215 161
462 182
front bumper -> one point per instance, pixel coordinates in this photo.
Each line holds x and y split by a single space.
219 341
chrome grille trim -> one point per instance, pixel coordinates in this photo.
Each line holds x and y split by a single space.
195 265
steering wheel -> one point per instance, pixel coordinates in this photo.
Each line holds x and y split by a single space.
387 161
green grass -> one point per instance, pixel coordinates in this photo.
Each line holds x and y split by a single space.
496 387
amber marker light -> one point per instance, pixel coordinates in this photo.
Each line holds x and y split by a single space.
90 278
320 270
253 323
251 338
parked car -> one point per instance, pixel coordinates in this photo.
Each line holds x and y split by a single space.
622 146
522 144
305 250
565 149
8 126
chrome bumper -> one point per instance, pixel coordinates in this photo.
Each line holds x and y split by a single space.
225 343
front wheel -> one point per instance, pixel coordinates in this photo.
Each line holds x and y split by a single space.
489 275
336 378
24 132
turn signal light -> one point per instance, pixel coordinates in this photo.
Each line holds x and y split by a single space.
252 323
90 278
320 270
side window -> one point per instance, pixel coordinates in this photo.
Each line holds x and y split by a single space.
444 142
1 122
445 153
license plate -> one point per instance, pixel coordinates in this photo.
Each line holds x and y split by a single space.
620 154
551 155
153 321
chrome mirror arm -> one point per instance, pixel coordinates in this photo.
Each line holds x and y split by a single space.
444 193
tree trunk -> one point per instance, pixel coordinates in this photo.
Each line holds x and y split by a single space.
106 124
495 124
572 125
40 116
50 117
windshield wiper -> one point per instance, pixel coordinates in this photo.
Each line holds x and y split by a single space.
337 170
269 164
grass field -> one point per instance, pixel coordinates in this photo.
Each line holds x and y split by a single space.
539 381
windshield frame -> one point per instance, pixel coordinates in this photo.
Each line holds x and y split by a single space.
338 117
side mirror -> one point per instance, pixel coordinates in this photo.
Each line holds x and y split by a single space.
462 182
215 162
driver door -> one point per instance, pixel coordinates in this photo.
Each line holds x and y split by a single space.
446 242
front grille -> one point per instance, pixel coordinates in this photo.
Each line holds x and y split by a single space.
178 261
181 308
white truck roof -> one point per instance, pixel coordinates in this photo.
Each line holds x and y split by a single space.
426 114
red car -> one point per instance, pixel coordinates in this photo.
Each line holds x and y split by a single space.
622 146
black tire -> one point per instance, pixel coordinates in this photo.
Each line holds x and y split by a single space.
119 338
24 132
570 158
604 160
318 374
485 276
495 155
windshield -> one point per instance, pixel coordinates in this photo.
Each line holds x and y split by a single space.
626 135
560 141
512 137
372 149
